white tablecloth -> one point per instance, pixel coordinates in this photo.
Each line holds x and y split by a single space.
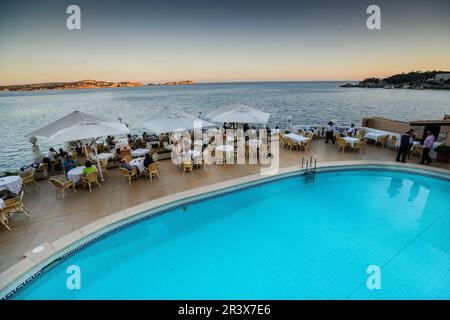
375 135
139 163
297 137
351 140
254 143
11 183
75 174
225 147
191 154
139 152
104 156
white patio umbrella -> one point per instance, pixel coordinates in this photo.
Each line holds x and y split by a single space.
167 120
80 126
238 114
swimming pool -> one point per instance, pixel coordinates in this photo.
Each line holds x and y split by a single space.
278 240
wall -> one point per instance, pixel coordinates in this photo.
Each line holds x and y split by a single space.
386 125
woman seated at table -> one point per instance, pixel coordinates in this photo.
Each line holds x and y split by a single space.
89 168
69 163
148 160
351 131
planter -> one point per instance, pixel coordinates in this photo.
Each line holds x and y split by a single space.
442 153
443 157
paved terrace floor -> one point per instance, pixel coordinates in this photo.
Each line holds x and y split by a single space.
52 218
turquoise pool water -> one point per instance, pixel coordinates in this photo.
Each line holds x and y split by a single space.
280 240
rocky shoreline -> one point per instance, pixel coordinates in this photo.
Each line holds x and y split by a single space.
85 84
438 80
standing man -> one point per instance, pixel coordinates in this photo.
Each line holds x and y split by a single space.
405 145
331 127
427 146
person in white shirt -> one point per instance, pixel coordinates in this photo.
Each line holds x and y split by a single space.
331 127
52 154
352 130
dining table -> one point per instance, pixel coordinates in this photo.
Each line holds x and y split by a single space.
138 163
351 140
11 183
375 135
105 156
139 152
297 137
75 174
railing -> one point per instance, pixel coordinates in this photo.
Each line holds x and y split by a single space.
310 165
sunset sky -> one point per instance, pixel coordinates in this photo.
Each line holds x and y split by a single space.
214 41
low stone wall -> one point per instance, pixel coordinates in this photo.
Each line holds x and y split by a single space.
386 125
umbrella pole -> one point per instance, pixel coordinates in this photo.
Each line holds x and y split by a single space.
98 162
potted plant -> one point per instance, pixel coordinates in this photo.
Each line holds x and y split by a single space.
443 153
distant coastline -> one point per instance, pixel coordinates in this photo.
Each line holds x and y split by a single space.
412 80
86 84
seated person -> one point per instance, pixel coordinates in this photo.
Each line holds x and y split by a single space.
352 130
145 137
52 155
89 168
69 163
148 160
62 153
127 166
130 139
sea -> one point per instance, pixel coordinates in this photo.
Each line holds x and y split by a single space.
306 102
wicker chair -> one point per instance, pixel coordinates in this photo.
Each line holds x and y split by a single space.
11 207
382 140
104 164
187 166
151 171
359 146
342 144
127 158
89 179
28 177
127 174
394 142
63 186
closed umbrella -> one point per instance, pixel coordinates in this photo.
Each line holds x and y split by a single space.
80 126
167 120
238 114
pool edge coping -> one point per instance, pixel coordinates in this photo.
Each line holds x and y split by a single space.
32 264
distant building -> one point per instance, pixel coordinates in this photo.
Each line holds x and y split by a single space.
442 77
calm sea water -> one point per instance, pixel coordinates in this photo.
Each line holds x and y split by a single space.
307 102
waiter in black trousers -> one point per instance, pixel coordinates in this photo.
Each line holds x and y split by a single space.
405 145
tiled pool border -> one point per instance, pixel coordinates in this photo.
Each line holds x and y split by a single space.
17 277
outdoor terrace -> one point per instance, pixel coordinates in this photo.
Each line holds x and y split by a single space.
52 218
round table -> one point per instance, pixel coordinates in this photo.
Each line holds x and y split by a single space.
191 154
254 143
139 152
75 174
225 148
104 156
138 163
11 183
351 140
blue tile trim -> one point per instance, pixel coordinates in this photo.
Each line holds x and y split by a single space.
214 194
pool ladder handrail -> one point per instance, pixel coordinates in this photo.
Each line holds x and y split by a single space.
310 166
